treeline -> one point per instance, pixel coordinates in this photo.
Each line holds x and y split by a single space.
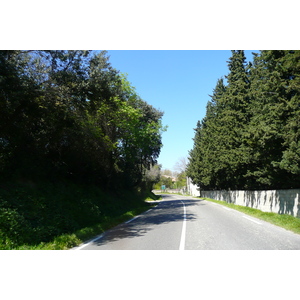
69 115
249 137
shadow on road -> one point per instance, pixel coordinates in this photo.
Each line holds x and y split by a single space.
167 211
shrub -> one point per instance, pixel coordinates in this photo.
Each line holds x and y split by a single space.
14 229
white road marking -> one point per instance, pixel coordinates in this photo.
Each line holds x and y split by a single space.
93 240
226 208
251 220
100 236
182 240
131 220
137 216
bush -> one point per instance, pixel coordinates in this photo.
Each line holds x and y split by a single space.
38 214
14 229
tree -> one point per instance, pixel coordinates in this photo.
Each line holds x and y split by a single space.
20 113
275 105
139 142
249 137
232 120
71 115
166 181
181 164
205 164
152 176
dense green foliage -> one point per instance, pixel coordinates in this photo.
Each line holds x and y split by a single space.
249 138
69 116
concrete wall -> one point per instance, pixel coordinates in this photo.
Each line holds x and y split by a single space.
278 201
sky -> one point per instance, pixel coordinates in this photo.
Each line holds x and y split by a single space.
177 82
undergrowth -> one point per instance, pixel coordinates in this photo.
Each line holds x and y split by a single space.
60 215
150 196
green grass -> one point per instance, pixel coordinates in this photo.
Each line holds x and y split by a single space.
285 221
152 197
67 241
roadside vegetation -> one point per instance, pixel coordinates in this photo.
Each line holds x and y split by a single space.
60 216
173 179
78 147
153 197
285 221
249 137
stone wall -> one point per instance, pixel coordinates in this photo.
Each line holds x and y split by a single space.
278 201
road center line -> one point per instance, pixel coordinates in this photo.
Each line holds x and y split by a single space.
251 220
182 239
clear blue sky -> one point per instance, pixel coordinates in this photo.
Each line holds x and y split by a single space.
179 83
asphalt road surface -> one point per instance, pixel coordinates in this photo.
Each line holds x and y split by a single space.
186 223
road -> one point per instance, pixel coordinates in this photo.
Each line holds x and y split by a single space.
186 223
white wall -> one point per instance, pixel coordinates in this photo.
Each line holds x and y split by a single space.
278 201
193 189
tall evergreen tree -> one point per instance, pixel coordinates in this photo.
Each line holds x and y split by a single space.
291 131
204 163
249 138
232 121
273 130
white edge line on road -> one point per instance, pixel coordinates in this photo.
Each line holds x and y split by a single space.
252 220
226 208
131 220
182 239
101 235
93 240
137 216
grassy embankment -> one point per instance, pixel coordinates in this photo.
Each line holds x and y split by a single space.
286 221
60 216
